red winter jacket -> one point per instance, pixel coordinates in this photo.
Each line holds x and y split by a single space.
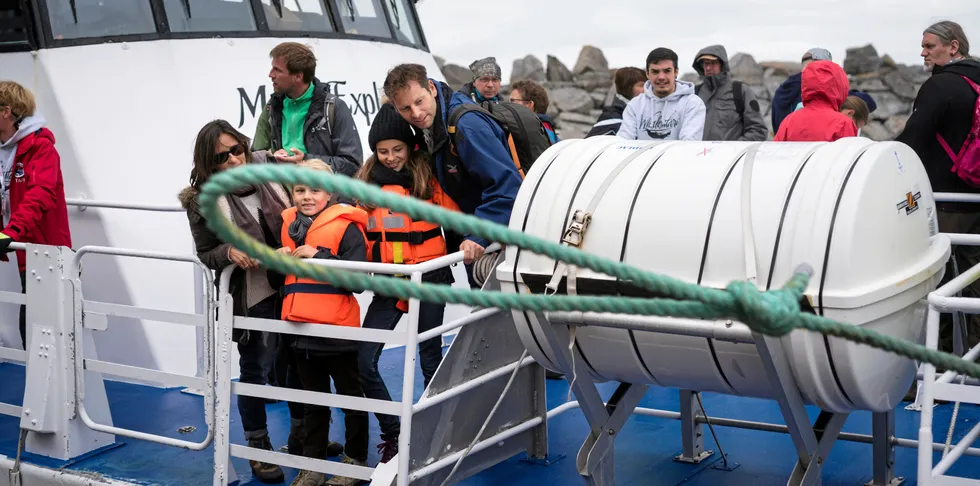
38 212
825 88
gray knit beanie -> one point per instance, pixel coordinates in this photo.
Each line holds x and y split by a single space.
485 67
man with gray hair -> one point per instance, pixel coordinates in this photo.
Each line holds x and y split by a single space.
937 129
485 87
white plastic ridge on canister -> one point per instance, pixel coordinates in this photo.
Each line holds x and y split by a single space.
861 213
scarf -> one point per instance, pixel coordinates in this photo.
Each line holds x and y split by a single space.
271 208
383 175
299 228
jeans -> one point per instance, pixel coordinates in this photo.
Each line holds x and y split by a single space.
382 314
257 354
284 371
315 372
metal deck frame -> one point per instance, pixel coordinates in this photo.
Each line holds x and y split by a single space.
813 442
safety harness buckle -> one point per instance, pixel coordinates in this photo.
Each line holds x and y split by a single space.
576 229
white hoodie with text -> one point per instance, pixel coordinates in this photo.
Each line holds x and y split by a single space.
678 116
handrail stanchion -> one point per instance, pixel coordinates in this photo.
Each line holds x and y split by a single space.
925 420
222 396
408 386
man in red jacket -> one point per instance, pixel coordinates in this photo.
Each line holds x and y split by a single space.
32 206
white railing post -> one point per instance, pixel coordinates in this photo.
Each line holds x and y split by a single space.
408 385
925 419
223 470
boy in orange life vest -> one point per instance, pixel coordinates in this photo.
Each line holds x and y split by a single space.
396 238
320 226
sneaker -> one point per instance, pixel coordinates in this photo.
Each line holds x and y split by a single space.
309 478
345 481
334 449
265 472
388 449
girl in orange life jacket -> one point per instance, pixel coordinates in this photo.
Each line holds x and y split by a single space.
396 238
323 227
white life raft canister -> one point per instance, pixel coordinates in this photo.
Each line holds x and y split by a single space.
860 213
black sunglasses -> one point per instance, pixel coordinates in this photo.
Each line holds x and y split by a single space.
222 157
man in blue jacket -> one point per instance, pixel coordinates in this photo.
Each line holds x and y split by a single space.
479 174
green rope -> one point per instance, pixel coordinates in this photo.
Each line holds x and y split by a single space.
772 313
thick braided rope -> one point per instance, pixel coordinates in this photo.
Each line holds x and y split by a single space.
772 313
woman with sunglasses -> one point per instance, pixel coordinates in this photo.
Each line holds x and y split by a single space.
257 210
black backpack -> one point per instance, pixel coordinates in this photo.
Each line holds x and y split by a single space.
737 93
526 136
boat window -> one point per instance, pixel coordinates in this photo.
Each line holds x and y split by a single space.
208 15
363 17
401 16
297 15
15 28
73 19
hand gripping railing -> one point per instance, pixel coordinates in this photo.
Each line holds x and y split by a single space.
12 354
85 309
405 409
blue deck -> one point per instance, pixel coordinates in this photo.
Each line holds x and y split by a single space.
644 450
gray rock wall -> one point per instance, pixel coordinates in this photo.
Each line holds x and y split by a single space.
577 95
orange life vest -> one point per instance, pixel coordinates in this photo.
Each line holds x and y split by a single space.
396 238
306 300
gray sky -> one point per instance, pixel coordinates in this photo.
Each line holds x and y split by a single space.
626 30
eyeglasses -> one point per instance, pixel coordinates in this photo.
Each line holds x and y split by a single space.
222 157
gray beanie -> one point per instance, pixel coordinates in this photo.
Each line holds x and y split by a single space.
818 54
485 67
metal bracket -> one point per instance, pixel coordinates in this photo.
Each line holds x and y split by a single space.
812 442
545 461
14 477
883 430
595 458
576 228
692 437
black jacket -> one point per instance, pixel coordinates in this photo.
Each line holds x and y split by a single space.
610 119
337 143
945 105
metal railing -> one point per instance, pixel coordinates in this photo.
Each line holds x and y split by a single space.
410 337
86 310
14 355
934 386
83 204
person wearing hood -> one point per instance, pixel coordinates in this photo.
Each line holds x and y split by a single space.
668 109
485 87
629 84
825 89
32 208
789 94
533 96
732 112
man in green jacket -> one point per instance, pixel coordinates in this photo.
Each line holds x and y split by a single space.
303 120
